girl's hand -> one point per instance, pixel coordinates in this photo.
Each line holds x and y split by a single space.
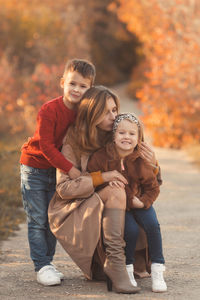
74 173
116 183
113 176
136 203
147 153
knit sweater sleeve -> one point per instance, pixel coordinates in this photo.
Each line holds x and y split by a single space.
47 123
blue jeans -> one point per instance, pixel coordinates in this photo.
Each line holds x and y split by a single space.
38 187
147 219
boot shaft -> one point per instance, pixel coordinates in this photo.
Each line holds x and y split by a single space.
115 267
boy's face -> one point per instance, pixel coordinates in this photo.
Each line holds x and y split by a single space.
74 85
126 137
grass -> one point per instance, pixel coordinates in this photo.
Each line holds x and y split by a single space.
11 211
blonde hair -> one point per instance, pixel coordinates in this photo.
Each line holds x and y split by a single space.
133 119
84 136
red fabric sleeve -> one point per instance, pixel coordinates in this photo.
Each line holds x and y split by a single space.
46 130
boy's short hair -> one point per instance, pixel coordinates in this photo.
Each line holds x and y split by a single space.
82 66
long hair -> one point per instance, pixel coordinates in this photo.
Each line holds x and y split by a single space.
84 135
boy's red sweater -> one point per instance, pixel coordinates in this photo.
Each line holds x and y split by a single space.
43 149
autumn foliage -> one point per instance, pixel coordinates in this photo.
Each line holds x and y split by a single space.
36 40
156 42
170 95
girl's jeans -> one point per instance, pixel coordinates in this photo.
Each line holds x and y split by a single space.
38 187
147 219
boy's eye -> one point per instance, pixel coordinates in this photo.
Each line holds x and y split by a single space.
72 83
84 86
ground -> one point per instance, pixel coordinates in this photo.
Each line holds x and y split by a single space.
177 207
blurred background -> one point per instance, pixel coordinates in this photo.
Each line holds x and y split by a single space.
153 46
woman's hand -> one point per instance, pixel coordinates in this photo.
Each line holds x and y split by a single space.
117 183
136 203
147 153
74 173
113 176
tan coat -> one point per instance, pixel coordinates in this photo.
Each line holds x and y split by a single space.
75 214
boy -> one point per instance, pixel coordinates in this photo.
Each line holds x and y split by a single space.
41 155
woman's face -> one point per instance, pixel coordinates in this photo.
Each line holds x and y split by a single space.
107 120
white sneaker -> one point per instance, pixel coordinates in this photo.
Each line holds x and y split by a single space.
158 282
60 274
48 276
130 271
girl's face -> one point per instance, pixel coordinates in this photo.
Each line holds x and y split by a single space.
126 137
106 122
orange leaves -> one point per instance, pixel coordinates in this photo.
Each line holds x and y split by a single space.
170 96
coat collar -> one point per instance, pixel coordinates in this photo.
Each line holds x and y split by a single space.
113 155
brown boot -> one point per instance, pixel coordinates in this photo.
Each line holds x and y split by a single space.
115 266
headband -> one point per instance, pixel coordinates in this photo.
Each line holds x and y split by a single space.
124 116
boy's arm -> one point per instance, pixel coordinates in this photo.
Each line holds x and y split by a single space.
47 127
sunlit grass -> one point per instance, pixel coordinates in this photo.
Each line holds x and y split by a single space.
11 212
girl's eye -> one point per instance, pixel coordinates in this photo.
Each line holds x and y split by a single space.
72 83
83 86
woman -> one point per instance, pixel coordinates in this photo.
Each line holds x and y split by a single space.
81 218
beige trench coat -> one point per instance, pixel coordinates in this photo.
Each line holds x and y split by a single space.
75 214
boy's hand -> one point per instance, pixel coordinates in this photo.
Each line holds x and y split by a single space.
74 173
136 203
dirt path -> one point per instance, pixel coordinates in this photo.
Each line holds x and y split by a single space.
178 210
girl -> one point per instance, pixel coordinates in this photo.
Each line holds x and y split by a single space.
142 190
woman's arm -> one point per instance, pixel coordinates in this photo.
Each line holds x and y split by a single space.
97 163
149 186
148 155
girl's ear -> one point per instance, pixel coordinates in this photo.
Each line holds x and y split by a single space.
62 81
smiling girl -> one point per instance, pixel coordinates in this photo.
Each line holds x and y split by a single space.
142 190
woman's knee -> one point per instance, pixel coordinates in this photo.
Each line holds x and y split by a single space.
113 197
